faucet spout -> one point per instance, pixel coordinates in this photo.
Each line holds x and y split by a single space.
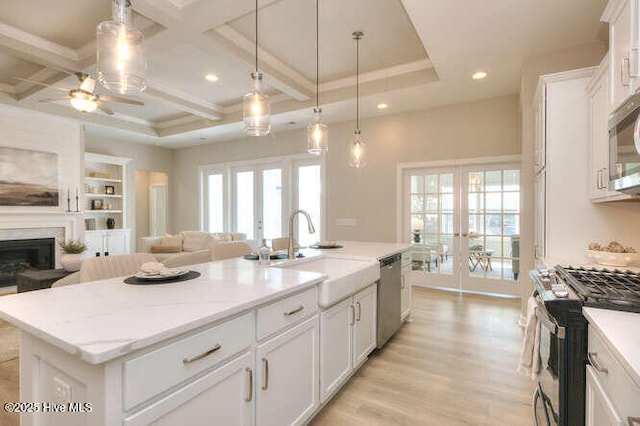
312 230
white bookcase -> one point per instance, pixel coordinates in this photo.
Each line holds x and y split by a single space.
105 188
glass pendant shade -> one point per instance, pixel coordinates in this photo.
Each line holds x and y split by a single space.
256 109
317 135
121 64
357 152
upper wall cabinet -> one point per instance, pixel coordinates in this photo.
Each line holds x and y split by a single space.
622 16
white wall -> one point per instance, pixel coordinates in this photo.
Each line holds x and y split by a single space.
484 128
145 157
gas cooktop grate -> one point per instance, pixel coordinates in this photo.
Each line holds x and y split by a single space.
603 286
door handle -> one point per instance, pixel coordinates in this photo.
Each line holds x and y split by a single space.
353 314
456 234
265 366
359 311
464 234
250 395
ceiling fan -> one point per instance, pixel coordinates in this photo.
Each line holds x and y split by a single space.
84 99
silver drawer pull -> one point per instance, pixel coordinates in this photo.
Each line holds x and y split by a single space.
359 311
265 364
592 359
202 355
295 311
250 396
633 421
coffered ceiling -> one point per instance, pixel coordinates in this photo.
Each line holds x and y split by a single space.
415 54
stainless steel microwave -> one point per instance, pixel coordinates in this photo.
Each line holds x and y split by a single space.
624 147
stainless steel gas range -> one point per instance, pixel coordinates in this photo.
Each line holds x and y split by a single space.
560 294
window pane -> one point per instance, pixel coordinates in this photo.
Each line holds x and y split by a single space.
309 195
431 203
272 203
494 224
494 181
417 202
511 224
431 184
244 204
446 182
512 202
446 203
494 202
475 182
512 180
417 184
215 199
431 223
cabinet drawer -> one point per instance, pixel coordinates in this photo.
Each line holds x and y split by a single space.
615 382
156 371
286 312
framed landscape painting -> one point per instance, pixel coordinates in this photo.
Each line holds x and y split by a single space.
28 178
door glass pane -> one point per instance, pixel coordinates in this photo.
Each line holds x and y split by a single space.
511 201
417 184
244 204
446 203
493 181
272 203
431 223
417 203
446 182
431 203
215 198
309 196
431 182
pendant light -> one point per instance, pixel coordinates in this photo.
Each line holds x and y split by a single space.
121 65
317 132
255 104
358 149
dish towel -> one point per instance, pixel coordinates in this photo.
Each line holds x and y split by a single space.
529 362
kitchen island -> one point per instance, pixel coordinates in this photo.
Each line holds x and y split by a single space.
241 341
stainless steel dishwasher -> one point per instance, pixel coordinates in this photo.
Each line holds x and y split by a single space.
389 289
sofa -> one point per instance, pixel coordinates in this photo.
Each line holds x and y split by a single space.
187 244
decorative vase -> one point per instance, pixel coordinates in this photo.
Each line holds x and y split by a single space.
71 261
111 223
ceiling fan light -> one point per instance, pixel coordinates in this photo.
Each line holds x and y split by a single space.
83 105
256 109
357 152
317 135
121 64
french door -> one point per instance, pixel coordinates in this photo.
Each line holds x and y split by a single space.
259 196
464 222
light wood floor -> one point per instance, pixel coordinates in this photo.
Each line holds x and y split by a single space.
453 364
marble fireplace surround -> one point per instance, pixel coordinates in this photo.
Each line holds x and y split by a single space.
46 225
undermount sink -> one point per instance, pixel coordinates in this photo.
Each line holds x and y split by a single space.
345 276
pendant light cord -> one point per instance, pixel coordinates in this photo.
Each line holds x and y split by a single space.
317 55
358 84
256 36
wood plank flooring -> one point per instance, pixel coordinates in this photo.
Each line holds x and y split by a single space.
453 364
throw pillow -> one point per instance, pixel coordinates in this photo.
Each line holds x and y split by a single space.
165 249
196 240
174 241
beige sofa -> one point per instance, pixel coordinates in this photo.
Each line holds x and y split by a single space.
186 244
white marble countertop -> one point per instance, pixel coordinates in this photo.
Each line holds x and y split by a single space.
620 331
103 320
369 250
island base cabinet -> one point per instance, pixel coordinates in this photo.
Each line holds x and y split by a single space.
347 337
287 376
336 359
223 396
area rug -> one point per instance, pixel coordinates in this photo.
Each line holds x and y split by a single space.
9 341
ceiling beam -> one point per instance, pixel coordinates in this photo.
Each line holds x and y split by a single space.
182 101
381 74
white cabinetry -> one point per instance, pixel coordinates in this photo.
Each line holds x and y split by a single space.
619 15
347 336
563 210
405 295
288 376
597 91
112 242
225 394
612 397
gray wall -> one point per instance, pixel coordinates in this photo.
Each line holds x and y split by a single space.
484 128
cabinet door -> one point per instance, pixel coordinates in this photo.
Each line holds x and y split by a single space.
598 106
335 346
620 42
225 395
118 242
405 298
95 242
599 411
540 140
364 327
287 376
540 215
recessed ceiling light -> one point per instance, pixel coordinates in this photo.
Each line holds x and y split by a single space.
211 77
479 75
382 105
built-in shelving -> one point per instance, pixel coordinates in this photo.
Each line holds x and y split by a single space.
94 195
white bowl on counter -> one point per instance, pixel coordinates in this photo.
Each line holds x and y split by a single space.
613 259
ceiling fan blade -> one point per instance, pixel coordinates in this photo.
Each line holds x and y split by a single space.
62 89
55 99
121 100
104 109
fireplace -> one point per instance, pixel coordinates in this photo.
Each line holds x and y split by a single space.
20 255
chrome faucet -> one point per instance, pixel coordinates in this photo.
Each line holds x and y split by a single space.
290 251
